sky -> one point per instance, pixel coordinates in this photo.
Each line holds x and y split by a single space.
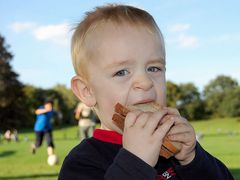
202 37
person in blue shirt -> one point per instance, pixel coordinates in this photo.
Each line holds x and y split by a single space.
43 127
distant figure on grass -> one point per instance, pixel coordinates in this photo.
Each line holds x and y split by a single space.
7 135
86 123
43 127
11 135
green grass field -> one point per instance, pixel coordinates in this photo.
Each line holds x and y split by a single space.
221 138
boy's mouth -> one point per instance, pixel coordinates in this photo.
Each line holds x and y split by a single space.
145 101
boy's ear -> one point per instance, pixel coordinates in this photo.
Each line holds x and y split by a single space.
82 90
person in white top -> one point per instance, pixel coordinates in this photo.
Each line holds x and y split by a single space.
85 118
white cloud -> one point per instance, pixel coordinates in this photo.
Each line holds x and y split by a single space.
187 41
22 26
54 33
179 27
181 38
57 33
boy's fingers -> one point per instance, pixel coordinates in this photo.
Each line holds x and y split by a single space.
131 118
181 125
181 137
154 120
172 111
162 130
165 118
142 119
178 119
180 128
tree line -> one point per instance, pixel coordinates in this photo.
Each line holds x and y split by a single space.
18 101
220 98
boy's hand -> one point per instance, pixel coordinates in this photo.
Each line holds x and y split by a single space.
143 135
182 132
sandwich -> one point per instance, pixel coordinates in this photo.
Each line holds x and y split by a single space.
169 148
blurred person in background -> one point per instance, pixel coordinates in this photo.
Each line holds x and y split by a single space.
10 135
43 127
86 123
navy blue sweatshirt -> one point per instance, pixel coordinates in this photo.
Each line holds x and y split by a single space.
103 157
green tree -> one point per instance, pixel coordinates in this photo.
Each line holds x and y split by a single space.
33 97
12 113
66 103
230 106
217 94
187 99
173 94
190 103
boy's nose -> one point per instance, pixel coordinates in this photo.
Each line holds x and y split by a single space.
143 82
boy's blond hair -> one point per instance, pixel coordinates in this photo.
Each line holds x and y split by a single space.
116 14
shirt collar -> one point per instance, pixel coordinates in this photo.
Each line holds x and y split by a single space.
108 136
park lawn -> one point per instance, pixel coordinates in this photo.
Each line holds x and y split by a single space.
220 137
17 162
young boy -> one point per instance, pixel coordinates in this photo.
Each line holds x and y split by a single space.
119 56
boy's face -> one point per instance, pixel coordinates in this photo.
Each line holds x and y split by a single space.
128 67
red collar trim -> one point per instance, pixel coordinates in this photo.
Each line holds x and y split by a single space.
108 136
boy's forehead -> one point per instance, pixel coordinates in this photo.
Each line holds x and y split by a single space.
120 39
111 30
113 26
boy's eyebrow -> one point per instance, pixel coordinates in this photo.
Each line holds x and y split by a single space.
118 63
158 60
129 62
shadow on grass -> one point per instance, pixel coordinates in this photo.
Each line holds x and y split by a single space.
32 176
235 173
7 153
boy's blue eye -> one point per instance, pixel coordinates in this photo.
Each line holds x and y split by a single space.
154 69
121 73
